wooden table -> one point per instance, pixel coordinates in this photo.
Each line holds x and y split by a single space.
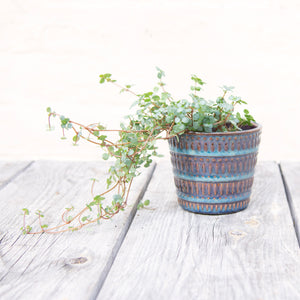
159 253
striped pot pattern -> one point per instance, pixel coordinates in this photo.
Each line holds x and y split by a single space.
213 172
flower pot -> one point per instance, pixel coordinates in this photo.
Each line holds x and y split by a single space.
213 172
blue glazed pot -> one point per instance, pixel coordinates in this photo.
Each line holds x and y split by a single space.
213 172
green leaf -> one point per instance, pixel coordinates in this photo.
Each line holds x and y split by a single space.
208 127
26 211
69 219
185 120
197 80
169 119
26 230
130 152
102 137
117 197
99 198
140 205
165 96
160 73
178 128
227 88
100 127
49 110
85 218
75 138
108 182
147 202
105 156
177 120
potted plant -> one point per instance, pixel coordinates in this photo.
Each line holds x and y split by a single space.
213 152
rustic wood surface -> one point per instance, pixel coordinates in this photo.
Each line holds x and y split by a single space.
158 253
291 175
10 170
172 254
66 266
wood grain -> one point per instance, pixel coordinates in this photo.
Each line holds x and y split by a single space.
66 266
291 175
10 169
169 253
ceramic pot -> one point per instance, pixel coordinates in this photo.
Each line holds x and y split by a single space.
213 172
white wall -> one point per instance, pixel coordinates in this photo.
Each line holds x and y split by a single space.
51 53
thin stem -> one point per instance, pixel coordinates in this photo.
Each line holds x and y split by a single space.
124 88
92 189
24 223
49 123
169 137
145 144
128 190
40 223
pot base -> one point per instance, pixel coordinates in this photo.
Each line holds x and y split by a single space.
214 209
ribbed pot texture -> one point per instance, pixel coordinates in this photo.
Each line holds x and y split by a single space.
213 172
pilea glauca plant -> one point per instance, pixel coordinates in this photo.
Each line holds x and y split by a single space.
158 116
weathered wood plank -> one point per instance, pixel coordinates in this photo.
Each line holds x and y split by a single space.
291 174
63 266
172 254
10 169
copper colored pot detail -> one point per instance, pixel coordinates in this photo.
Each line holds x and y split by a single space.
213 172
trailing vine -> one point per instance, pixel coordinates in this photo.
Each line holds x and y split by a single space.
158 117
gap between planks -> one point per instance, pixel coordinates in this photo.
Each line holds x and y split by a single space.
172 254
290 202
17 173
122 236
26 264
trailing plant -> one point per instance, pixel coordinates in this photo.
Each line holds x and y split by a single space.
158 116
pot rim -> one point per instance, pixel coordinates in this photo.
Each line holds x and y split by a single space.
257 128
